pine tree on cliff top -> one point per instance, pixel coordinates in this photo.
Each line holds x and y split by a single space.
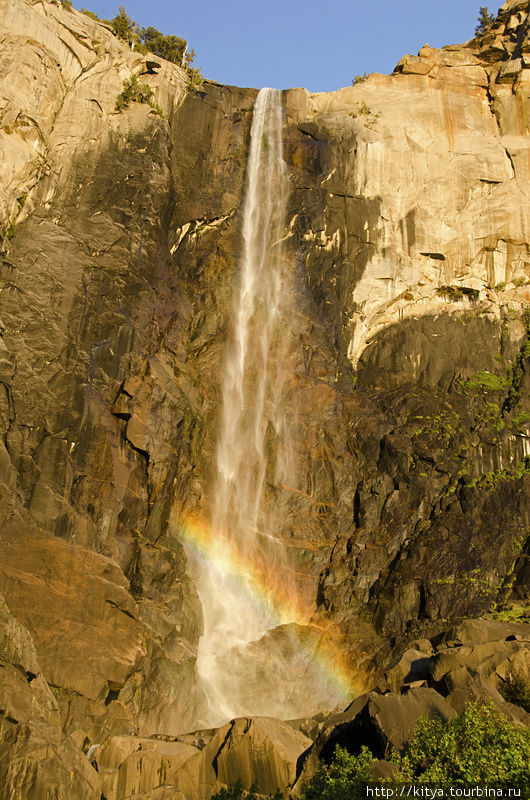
485 21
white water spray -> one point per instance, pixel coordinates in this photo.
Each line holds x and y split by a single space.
254 458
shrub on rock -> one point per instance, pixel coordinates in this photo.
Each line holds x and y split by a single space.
479 746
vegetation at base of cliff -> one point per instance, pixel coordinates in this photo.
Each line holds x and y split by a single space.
516 689
477 746
236 792
344 779
136 92
485 21
514 613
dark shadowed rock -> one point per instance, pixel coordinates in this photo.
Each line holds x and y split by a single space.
412 666
379 722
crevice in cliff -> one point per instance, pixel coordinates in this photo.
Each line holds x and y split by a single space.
121 610
73 54
510 159
215 760
491 102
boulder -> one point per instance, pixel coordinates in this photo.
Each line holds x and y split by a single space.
482 658
261 750
292 661
475 658
77 607
258 750
37 762
411 666
379 722
132 766
464 685
479 631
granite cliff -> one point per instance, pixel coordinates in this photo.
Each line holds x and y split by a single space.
409 234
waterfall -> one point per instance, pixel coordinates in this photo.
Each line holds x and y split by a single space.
243 578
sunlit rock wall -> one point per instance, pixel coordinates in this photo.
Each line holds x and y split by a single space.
408 232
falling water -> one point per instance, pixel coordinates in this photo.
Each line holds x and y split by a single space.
252 399
255 445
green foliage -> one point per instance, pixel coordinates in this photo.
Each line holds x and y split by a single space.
457 292
124 27
438 428
515 613
485 21
487 381
167 46
136 92
489 480
516 689
518 369
195 76
364 110
12 229
236 792
344 779
147 40
133 92
150 40
520 419
90 14
67 4
360 78
477 746
490 416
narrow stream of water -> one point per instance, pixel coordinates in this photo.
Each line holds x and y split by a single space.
243 579
254 430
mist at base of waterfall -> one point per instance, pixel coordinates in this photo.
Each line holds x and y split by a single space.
278 675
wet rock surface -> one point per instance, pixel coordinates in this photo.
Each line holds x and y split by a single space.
409 236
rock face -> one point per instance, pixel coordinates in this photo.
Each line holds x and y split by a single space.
261 750
470 662
409 235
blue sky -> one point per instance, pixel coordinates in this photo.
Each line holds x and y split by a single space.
320 45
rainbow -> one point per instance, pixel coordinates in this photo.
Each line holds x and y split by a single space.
271 591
